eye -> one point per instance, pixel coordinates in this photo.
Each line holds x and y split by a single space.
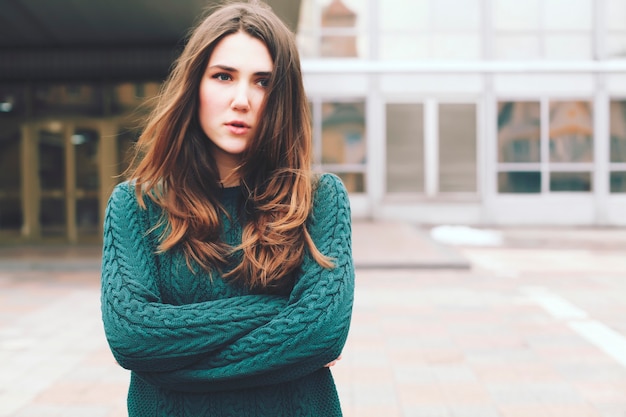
222 76
264 82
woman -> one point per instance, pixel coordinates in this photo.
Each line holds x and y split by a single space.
227 276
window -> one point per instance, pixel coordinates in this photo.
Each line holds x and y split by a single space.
457 148
543 29
333 28
617 160
564 158
616 29
430 29
405 148
339 135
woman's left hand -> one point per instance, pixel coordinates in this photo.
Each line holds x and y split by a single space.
333 363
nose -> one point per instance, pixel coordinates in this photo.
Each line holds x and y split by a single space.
241 100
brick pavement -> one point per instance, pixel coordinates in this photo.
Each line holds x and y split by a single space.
535 328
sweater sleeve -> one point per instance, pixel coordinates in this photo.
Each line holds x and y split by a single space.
308 333
145 334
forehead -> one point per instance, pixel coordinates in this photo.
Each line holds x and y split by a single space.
242 51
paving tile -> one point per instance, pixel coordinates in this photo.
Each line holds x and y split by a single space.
424 342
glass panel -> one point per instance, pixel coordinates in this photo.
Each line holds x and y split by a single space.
52 181
51 162
517 15
570 181
126 140
10 176
616 45
52 217
462 46
404 47
519 131
399 15
457 148
87 216
568 46
618 182
343 133
519 182
517 47
128 97
306 21
350 46
571 131
618 130
344 13
60 99
12 101
615 12
405 148
308 45
85 143
354 181
568 14
455 15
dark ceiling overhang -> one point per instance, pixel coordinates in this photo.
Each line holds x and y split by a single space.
44 40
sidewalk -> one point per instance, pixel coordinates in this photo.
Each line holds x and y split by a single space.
534 327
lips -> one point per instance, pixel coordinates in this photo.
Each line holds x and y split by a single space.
238 127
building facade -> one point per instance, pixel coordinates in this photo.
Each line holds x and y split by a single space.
484 112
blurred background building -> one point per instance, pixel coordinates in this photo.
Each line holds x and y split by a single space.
487 112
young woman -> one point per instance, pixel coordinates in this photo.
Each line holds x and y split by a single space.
227 275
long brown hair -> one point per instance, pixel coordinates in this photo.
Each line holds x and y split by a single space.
177 170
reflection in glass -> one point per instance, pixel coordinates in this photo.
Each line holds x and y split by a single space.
618 130
571 131
52 216
59 99
339 14
52 181
519 131
10 179
570 181
618 182
405 148
343 135
126 141
354 181
87 216
85 143
129 96
51 161
457 148
519 182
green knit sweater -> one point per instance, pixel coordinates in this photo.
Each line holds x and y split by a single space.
203 347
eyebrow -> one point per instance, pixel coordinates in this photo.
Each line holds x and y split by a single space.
231 69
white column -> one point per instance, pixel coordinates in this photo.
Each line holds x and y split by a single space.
431 147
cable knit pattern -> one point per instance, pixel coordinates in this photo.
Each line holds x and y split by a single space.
198 346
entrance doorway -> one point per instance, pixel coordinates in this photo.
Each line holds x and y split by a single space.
67 173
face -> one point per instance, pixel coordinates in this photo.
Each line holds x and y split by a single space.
232 93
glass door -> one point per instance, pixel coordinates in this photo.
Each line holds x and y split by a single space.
65 190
